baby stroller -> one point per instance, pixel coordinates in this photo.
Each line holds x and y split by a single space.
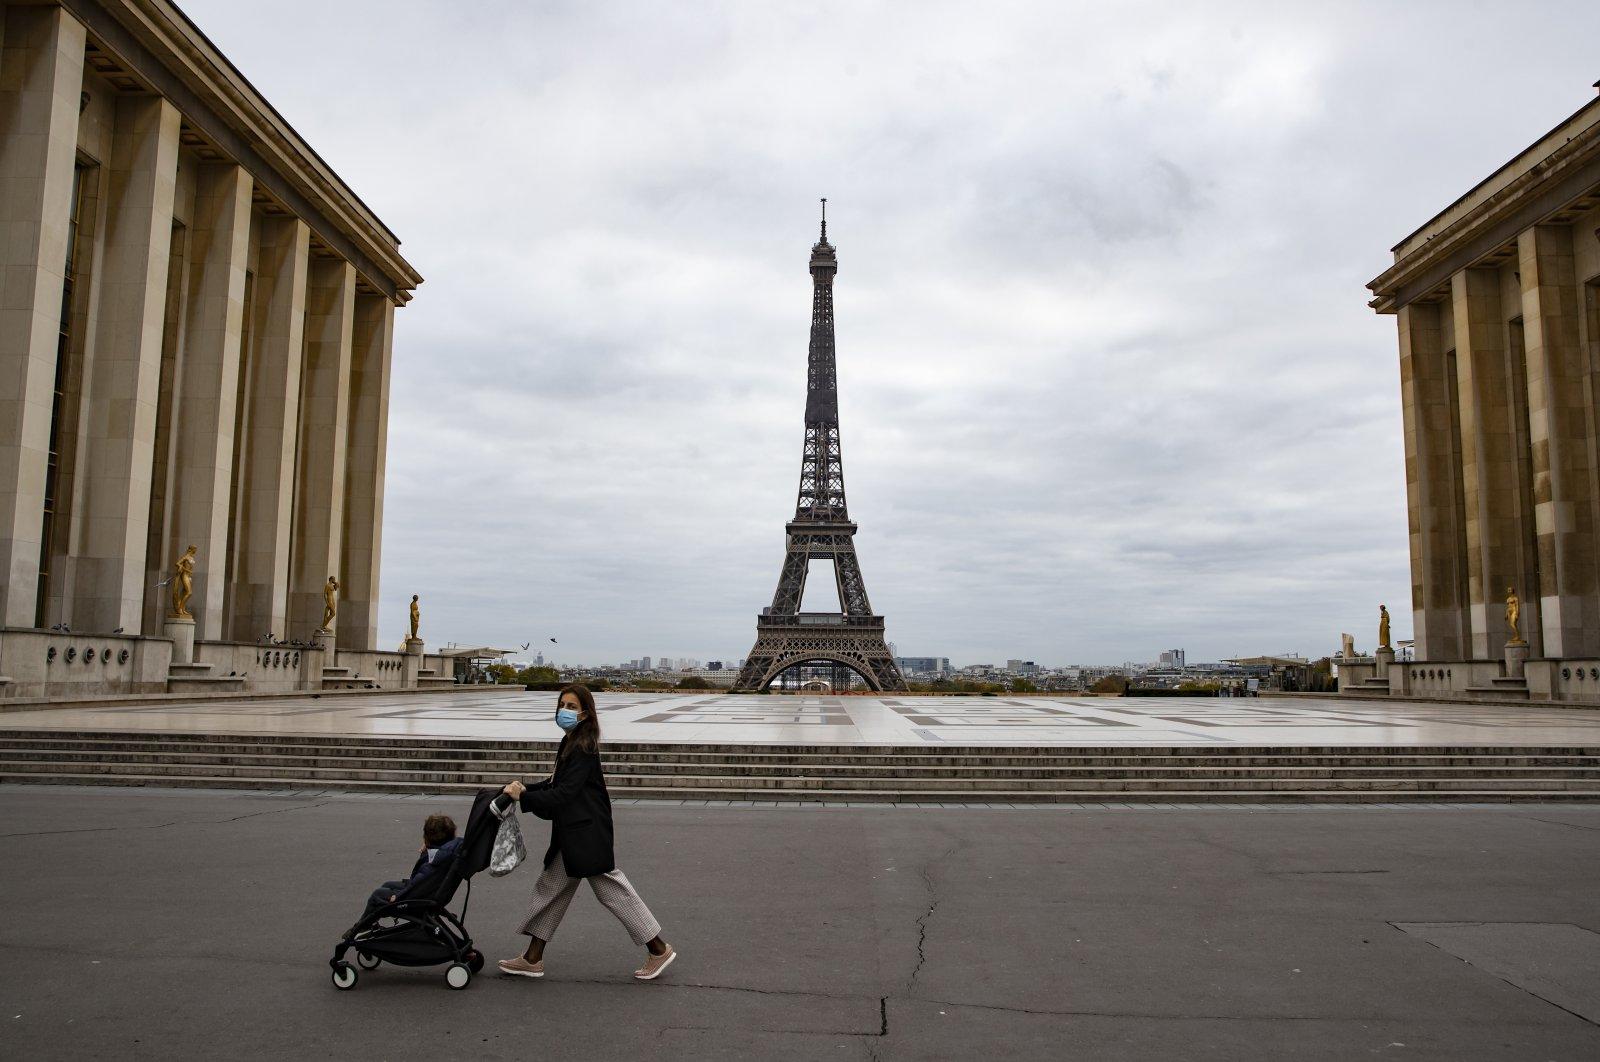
422 931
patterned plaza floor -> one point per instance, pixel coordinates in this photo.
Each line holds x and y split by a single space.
714 718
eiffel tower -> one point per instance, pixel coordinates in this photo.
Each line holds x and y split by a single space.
852 638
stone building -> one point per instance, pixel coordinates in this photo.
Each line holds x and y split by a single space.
195 337
1498 304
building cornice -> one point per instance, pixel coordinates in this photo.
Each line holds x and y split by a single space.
160 46
1568 173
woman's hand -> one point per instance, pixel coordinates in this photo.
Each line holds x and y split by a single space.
514 790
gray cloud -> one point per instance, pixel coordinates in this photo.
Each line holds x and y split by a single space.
1108 380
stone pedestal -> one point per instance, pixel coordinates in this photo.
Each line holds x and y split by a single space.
1516 659
1385 659
413 661
323 640
181 630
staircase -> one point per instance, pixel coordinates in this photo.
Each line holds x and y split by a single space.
878 774
197 678
1503 688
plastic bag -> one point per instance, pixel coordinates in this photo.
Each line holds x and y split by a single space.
509 849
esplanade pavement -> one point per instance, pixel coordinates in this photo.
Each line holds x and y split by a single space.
905 720
899 749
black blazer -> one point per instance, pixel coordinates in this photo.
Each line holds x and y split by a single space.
575 801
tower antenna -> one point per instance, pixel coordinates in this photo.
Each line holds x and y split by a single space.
824 219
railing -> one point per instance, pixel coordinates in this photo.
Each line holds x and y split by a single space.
818 619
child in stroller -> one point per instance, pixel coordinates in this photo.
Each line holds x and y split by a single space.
439 844
422 931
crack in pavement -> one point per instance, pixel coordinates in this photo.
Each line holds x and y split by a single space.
715 988
922 922
1146 1015
89 829
1503 979
165 825
1558 822
270 811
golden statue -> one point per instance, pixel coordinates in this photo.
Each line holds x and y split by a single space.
183 584
416 616
1513 615
1383 627
330 602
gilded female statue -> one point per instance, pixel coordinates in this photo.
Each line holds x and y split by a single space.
330 602
416 617
183 584
1513 616
1383 627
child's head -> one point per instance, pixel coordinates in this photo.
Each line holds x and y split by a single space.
437 830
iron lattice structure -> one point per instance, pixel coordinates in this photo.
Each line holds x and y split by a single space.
821 530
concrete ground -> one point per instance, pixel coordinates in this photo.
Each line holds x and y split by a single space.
148 923
712 718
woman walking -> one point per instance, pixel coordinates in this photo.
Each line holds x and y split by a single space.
575 800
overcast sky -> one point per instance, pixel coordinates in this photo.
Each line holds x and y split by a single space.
1108 381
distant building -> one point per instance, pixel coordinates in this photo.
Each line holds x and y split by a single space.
719 676
1172 658
923 665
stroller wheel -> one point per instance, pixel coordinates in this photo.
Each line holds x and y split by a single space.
366 961
344 976
475 961
458 975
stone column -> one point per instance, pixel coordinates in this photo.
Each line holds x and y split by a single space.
1384 660
41 75
364 468
324 415
1563 481
267 463
219 238
1494 518
181 630
413 663
124 374
1432 482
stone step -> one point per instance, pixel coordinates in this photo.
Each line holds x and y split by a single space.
204 683
536 760
1507 693
320 778
971 797
1575 768
541 760
524 752
798 753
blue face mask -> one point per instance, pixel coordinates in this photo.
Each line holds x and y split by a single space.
566 718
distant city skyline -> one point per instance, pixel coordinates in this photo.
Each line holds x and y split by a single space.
732 661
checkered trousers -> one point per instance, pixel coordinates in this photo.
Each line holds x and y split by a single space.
554 891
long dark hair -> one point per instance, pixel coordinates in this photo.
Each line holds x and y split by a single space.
586 735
